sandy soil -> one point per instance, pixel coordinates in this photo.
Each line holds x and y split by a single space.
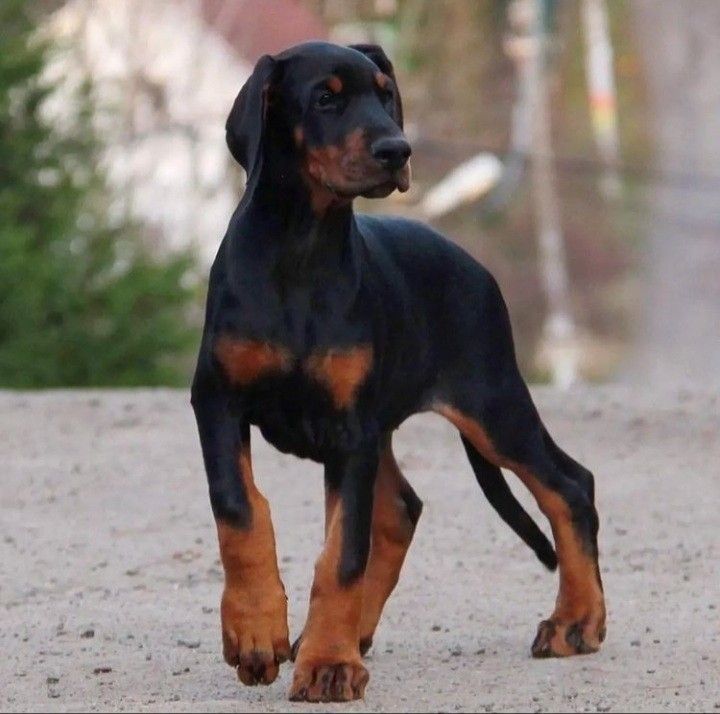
109 578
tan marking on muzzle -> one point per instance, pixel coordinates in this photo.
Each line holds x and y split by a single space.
326 166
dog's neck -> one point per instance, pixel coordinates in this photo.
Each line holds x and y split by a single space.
299 245
285 204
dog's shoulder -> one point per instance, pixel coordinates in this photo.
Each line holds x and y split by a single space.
419 249
400 232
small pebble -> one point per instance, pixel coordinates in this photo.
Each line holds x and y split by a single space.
190 644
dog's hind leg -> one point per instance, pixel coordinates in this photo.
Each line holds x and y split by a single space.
501 498
506 430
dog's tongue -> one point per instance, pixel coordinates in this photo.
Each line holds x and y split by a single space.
402 178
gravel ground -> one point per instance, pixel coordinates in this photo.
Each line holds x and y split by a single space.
110 583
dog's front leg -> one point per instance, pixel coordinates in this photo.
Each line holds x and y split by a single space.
328 665
254 606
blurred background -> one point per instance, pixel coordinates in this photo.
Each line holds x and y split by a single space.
572 146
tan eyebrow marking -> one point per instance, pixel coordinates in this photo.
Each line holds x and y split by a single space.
335 84
298 135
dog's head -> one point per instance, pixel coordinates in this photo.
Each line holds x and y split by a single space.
334 112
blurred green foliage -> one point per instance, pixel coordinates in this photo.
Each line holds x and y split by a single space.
83 300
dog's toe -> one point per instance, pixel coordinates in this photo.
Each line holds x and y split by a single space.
559 639
338 682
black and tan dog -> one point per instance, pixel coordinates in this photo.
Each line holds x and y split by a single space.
327 330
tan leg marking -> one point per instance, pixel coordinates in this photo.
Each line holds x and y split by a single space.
328 666
392 533
577 625
332 498
254 607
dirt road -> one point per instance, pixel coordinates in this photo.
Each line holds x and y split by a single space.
109 579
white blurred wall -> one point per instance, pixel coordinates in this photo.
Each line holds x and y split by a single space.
164 82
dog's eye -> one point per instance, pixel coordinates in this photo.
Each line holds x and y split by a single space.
325 100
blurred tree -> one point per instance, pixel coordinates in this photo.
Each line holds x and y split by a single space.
83 300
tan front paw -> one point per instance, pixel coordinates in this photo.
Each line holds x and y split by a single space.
324 681
556 638
255 633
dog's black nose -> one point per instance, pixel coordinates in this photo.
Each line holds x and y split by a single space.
391 152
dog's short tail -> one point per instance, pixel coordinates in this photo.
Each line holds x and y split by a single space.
501 498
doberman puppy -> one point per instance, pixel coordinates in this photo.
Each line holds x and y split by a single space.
327 329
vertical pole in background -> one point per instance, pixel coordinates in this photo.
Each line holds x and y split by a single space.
559 344
601 87
518 47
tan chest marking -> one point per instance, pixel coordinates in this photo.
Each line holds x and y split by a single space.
245 361
341 372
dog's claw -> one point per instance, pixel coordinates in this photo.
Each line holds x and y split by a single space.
558 639
254 646
340 682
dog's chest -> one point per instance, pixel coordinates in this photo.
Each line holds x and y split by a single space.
312 338
307 405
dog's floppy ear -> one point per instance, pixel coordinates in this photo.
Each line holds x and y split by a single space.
378 56
246 122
